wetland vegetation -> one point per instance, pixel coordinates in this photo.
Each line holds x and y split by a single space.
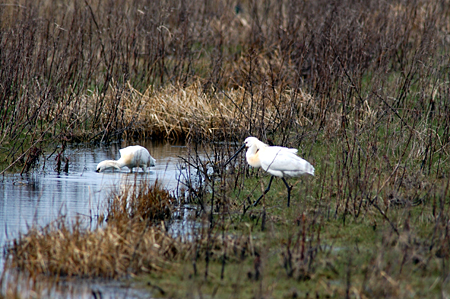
361 88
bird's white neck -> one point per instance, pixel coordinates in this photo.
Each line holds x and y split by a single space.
252 150
252 154
114 164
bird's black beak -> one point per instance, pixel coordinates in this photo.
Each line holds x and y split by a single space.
234 156
98 170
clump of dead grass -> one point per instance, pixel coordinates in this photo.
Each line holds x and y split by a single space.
112 251
140 201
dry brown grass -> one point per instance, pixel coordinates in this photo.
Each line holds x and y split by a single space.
192 112
140 202
111 251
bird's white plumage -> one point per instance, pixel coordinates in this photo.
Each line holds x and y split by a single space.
276 160
282 162
131 156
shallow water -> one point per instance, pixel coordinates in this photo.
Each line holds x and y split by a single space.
77 288
38 198
42 196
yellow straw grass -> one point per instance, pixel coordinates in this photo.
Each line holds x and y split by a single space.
195 111
112 251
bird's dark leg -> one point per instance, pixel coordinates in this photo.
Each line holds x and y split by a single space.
289 190
265 191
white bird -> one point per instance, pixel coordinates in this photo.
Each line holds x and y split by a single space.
131 156
278 161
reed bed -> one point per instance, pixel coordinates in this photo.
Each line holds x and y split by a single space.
72 72
191 113
360 88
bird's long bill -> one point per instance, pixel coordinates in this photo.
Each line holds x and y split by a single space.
234 156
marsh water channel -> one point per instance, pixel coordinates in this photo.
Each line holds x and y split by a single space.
40 197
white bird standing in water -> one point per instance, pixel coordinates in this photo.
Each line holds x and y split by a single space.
131 156
276 160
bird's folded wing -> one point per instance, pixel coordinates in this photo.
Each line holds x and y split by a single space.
285 161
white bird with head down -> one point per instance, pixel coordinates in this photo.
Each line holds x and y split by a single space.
278 161
131 156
